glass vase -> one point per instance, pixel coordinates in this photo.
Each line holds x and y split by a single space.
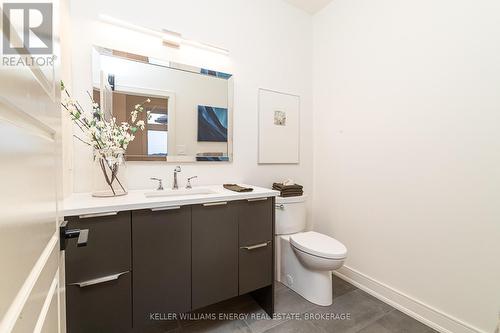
109 179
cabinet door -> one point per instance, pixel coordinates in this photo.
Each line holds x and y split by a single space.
108 249
255 217
162 263
255 267
215 253
100 306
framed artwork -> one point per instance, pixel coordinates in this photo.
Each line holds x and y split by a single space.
279 127
212 124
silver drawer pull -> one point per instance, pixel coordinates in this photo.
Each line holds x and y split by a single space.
256 199
159 209
88 216
98 280
215 204
279 206
257 246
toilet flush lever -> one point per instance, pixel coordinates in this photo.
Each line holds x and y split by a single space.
279 206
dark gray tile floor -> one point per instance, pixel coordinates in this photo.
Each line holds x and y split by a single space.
352 311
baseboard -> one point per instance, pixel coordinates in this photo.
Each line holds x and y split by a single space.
424 313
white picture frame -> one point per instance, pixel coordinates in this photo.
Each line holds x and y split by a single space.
279 128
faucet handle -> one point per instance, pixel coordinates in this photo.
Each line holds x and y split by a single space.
160 183
188 185
177 168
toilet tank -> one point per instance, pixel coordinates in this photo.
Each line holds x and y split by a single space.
290 215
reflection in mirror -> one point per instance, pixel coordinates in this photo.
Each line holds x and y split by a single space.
190 107
152 143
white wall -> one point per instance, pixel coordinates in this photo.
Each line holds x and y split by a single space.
407 147
270 47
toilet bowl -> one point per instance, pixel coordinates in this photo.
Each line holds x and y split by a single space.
305 260
317 251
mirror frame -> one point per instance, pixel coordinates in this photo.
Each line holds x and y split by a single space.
181 67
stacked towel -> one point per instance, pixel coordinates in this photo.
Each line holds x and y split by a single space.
293 190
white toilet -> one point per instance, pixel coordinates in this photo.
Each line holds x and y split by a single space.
305 260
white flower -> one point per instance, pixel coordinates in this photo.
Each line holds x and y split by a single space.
140 124
100 132
134 116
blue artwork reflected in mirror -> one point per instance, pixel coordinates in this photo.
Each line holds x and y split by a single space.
212 124
221 75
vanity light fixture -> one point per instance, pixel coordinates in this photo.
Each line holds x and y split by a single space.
168 37
205 46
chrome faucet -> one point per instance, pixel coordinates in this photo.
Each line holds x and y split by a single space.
188 185
160 183
176 171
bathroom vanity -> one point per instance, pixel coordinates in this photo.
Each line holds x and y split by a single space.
150 257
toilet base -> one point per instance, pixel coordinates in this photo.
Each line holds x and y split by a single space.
314 286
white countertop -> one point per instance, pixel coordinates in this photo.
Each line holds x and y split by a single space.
85 203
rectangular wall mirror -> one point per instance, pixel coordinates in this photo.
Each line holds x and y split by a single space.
191 107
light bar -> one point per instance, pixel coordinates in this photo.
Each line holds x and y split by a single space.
169 38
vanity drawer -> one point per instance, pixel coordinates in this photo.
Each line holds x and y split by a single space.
100 306
255 267
255 220
108 250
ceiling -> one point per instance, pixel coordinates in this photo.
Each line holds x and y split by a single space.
311 6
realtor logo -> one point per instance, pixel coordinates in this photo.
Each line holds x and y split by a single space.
27 28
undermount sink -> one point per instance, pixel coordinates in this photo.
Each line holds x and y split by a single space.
181 192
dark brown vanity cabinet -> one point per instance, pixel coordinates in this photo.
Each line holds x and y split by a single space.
215 253
162 263
141 266
98 276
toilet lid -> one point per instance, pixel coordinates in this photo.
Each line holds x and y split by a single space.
319 245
